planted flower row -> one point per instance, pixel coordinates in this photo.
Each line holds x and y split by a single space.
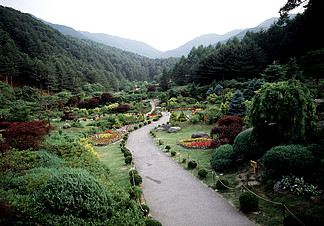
106 138
196 143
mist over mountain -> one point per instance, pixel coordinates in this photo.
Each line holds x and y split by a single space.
144 49
134 46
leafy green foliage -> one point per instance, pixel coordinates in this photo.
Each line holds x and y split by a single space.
128 159
282 160
135 179
221 182
283 113
244 146
222 157
192 164
248 202
298 186
40 55
74 192
202 173
80 154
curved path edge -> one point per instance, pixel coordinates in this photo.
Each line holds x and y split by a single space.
174 195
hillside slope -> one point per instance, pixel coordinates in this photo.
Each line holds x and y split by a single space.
34 53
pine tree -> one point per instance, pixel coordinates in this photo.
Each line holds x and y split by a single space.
237 107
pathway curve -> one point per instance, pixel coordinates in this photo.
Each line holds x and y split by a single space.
175 196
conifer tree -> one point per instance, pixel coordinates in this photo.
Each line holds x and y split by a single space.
237 107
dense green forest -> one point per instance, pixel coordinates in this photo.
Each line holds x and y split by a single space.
33 53
295 40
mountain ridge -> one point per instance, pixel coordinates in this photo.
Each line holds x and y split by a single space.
145 49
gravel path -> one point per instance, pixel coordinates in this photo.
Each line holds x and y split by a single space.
176 197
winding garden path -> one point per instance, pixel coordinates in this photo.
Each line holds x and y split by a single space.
176 197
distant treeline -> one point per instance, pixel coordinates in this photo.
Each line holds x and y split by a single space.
298 38
33 53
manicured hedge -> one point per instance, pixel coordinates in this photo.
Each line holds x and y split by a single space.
222 157
283 160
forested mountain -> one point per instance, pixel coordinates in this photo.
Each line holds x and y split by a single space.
204 40
144 49
298 39
34 53
129 45
134 46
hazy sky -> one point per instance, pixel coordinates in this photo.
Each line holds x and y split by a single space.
163 24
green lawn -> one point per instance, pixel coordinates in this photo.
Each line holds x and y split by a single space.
112 156
183 156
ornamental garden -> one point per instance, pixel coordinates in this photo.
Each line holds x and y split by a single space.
57 140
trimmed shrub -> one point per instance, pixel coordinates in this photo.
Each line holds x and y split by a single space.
127 153
146 209
151 222
221 182
222 157
128 159
192 164
244 147
134 192
160 142
137 180
202 173
123 149
173 153
248 202
283 160
74 192
131 172
168 147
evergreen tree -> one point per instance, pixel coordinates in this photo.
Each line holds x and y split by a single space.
237 107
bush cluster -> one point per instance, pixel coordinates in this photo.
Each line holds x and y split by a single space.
244 146
295 159
222 157
248 202
192 164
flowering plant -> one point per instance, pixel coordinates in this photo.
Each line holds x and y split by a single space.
106 137
196 143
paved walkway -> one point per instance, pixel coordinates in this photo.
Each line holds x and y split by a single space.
176 197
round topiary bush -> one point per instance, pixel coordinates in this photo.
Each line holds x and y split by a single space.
282 160
222 157
248 202
146 209
72 191
221 182
131 172
134 192
192 164
127 153
173 153
152 222
202 173
128 159
244 147
137 179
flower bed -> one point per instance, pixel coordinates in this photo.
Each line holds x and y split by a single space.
106 138
196 143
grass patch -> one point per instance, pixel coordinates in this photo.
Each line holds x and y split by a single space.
202 157
112 156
